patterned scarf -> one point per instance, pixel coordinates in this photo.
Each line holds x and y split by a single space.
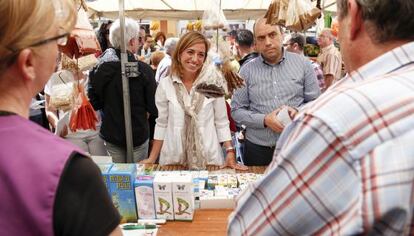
191 137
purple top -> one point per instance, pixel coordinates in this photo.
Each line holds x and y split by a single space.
31 163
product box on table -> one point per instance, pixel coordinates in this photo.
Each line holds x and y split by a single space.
164 207
219 198
105 168
121 183
144 194
183 197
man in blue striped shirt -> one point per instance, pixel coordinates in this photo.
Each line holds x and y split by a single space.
274 79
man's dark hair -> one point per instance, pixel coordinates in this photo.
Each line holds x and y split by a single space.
297 38
245 38
102 32
385 20
232 33
142 27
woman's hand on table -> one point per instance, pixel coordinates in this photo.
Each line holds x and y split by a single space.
232 163
147 161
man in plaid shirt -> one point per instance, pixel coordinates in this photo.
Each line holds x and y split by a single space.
345 165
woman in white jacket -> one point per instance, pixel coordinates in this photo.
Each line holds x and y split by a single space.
190 127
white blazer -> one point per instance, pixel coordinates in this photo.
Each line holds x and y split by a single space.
212 123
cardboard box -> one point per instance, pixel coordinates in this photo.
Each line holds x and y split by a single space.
217 202
121 183
183 197
164 207
102 159
144 195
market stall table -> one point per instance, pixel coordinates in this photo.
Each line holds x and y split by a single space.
252 169
206 221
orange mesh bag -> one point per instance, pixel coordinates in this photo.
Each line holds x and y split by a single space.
83 115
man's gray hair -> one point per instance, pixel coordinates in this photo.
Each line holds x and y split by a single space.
170 45
131 31
385 20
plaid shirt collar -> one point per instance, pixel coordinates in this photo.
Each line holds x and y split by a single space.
384 64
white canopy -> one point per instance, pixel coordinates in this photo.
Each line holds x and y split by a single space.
185 9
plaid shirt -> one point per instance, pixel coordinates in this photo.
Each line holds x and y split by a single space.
319 74
346 164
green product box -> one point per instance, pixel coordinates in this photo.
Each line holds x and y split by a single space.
183 197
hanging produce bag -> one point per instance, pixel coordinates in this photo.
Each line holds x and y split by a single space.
301 15
82 40
61 97
83 115
217 77
214 19
210 81
277 12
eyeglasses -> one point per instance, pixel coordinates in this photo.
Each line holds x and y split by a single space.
287 44
61 40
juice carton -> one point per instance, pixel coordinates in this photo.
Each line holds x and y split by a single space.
144 195
164 207
183 197
121 183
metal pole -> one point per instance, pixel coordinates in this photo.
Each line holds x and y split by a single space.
125 87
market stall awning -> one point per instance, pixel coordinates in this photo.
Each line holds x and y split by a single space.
185 9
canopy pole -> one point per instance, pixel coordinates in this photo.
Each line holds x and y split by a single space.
125 86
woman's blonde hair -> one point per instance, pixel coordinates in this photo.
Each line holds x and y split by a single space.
25 22
187 40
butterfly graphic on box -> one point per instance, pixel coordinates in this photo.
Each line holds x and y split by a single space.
162 187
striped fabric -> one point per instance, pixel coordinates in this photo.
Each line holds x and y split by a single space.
346 164
290 82
330 60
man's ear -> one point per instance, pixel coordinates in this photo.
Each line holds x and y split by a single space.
355 16
130 42
25 64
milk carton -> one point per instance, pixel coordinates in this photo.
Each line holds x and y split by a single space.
105 168
183 197
144 195
121 184
164 207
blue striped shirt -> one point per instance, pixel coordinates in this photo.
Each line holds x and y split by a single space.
290 82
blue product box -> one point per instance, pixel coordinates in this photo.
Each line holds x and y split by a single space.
105 168
121 184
